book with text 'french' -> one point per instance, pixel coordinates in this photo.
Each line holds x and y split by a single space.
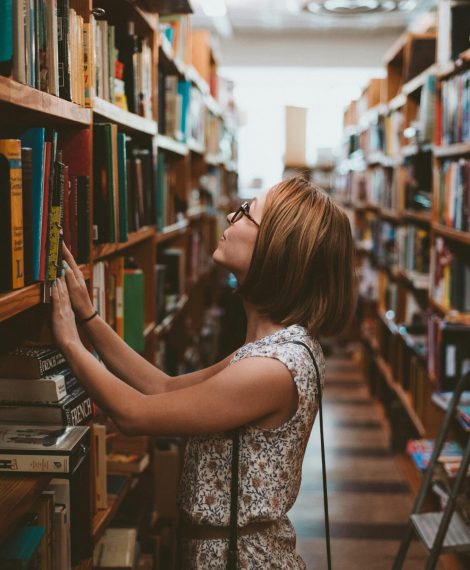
11 216
42 449
31 362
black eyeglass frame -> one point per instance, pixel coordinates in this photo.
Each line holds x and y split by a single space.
243 210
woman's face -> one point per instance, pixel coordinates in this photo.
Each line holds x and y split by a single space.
236 245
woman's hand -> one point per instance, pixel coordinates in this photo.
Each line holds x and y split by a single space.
76 286
63 318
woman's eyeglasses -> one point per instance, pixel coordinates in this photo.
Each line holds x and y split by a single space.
243 210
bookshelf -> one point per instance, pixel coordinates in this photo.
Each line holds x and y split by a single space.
190 183
412 245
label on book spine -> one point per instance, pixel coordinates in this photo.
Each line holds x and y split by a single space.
34 463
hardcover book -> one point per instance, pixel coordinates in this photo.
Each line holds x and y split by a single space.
31 362
42 449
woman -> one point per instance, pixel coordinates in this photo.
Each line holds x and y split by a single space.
291 251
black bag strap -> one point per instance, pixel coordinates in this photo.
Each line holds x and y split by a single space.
323 462
232 562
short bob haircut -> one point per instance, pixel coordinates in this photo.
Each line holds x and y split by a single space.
302 268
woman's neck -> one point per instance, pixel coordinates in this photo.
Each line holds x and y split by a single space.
258 326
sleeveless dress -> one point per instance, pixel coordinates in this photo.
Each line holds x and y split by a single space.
270 470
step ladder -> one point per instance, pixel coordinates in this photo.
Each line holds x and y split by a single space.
444 531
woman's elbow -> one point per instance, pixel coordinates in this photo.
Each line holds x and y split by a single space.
129 422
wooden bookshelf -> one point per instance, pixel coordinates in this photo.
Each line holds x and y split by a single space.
171 145
421 217
451 233
172 231
418 81
103 517
108 249
186 163
452 150
18 493
16 96
104 110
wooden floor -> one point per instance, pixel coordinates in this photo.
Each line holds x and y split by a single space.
369 502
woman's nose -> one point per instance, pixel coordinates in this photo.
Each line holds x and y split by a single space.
229 217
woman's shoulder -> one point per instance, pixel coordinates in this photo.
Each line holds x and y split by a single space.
283 342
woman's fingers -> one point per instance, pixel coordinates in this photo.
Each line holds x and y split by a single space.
71 262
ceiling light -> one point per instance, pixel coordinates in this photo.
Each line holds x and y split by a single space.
353 7
214 8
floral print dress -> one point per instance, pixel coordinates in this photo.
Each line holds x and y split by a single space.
270 470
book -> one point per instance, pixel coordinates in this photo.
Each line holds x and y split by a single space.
30 362
117 549
42 514
101 493
47 389
28 217
11 215
134 319
421 450
61 537
42 449
6 37
20 550
74 409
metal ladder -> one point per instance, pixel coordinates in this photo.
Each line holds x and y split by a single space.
442 531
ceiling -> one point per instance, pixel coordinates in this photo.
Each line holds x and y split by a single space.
287 16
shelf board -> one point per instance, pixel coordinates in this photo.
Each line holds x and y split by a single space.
149 328
451 67
172 231
451 314
443 406
450 233
381 159
167 323
421 217
418 81
26 98
20 300
106 249
130 121
414 149
407 278
17 495
213 159
171 145
390 216
397 102
196 212
452 150
196 147
103 517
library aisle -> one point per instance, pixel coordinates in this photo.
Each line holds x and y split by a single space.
369 499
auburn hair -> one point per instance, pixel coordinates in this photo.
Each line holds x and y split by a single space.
302 268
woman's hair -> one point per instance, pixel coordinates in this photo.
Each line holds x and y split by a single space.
302 269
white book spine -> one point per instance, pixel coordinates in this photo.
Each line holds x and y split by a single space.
14 462
38 390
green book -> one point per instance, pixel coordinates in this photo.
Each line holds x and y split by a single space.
18 550
134 309
161 193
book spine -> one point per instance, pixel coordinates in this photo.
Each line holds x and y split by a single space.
49 363
10 150
36 390
78 412
55 222
63 10
19 463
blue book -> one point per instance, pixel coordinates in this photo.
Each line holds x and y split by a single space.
184 89
6 37
19 548
34 138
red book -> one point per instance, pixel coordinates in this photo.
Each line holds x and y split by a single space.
73 201
45 210
66 228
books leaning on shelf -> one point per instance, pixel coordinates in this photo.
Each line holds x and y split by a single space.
42 449
420 451
450 277
448 351
124 185
47 45
454 192
51 192
117 548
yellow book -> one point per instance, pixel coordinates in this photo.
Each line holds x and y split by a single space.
11 215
